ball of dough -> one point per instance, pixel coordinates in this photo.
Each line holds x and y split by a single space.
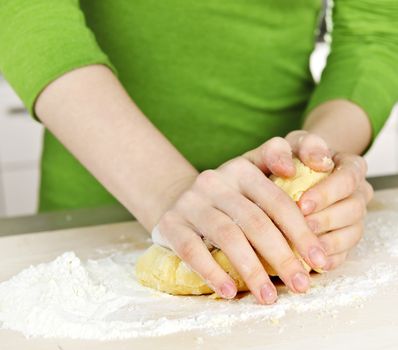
161 269
304 179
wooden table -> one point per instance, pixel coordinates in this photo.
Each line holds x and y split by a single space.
374 326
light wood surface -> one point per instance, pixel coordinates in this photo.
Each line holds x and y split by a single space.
372 326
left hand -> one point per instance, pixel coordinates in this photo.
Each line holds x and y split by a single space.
335 208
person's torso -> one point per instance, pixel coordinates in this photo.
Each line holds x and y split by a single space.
217 77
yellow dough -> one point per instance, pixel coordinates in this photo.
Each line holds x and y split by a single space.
161 269
304 179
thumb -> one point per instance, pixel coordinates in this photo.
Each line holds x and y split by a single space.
311 149
273 157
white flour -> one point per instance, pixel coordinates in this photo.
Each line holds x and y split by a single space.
100 299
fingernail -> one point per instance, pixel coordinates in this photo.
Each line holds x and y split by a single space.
268 293
322 159
313 226
228 290
300 282
317 157
317 257
327 162
307 207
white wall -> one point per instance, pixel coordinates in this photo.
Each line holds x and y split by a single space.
20 147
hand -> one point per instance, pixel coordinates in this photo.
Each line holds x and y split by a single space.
238 209
335 208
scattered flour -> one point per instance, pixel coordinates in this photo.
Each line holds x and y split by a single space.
100 299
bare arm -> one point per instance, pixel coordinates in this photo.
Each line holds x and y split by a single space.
342 124
91 114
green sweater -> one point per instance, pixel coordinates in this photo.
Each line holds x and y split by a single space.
217 77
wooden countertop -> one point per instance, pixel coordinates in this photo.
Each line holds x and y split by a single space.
373 326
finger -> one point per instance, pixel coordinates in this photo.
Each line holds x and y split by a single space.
274 156
336 260
349 174
341 214
280 208
265 237
367 190
311 149
221 230
191 249
341 240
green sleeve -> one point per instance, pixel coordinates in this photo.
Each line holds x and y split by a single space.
363 64
42 39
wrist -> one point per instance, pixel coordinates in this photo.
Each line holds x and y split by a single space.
342 124
165 197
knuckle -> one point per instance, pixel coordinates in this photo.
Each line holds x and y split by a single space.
351 181
188 200
245 171
359 231
243 164
254 274
358 208
369 191
286 263
333 263
209 273
315 223
238 164
257 223
188 197
186 250
279 196
320 194
167 222
325 221
341 158
358 166
359 163
335 244
364 164
338 260
277 140
272 145
228 196
330 243
309 139
226 233
207 178
312 140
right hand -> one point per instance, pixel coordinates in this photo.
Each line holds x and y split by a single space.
238 209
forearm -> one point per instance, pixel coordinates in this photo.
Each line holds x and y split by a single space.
342 124
91 114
